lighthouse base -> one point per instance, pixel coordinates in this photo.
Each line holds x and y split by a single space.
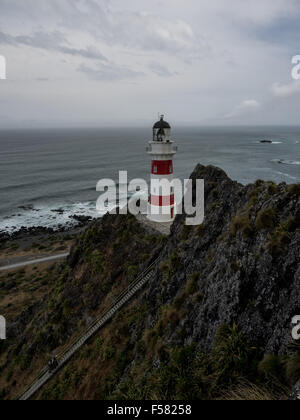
160 214
151 227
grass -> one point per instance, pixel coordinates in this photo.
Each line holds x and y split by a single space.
294 189
266 219
241 223
247 391
192 284
280 238
169 267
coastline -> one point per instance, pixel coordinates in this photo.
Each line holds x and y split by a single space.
40 241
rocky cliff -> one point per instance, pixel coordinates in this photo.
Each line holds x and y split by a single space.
214 321
244 260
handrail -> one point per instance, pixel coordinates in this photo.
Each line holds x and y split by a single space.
92 325
115 302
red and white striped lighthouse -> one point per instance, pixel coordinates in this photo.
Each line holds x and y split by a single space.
161 207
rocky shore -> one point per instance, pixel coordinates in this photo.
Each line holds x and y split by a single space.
32 234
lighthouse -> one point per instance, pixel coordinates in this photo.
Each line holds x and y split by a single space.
161 206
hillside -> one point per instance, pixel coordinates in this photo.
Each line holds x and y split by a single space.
214 321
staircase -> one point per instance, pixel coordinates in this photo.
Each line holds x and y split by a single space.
95 326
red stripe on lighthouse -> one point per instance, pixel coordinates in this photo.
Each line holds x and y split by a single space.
162 201
162 167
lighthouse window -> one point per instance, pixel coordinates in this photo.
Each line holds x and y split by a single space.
170 169
155 169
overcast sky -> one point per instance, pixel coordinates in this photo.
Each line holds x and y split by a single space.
121 62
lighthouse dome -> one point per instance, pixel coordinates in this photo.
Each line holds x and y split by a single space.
162 124
162 131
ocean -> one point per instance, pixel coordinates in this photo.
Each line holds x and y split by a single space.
46 176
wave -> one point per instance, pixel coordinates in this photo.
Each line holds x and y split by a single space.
55 216
286 175
268 142
286 162
49 217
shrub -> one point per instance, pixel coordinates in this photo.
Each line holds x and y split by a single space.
294 189
201 230
132 271
170 267
186 232
215 205
241 223
192 284
141 348
235 266
253 197
279 240
247 391
293 368
179 300
271 367
108 353
232 355
272 188
174 261
169 316
150 338
266 219
97 262
259 183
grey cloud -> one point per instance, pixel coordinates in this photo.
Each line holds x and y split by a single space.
156 33
222 49
50 41
160 70
148 31
286 90
90 52
245 107
109 72
6 39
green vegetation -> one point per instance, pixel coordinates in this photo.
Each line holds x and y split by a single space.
97 262
169 267
294 190
215 205
272 188
146 351
242 223
232 368
186 232
280 238
266 219
200 231
192 284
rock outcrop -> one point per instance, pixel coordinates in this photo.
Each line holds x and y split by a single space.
245 258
